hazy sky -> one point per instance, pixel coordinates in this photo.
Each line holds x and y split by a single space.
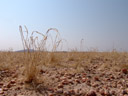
103 24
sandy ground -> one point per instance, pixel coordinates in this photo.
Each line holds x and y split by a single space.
91 81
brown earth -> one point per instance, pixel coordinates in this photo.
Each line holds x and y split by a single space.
93 75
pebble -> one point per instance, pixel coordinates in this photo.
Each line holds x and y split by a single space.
51 94
72 92
92 93
5 89
77 80
13 81
124 92
59 91
1 84
60 86
125 71
66 93
96 79
84 80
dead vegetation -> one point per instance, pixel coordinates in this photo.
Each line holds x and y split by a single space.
28 67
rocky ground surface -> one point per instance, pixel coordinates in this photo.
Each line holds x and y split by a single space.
65 82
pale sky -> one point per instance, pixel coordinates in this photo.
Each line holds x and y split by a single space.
103 24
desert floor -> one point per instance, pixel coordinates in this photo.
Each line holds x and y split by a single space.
64 74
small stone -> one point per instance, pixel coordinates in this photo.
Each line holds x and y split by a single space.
14 75
62 74
60 86
95 85
15 94
13 81
69 77
5 89
42 71
51 89
1 84
97 89
63 78
4 85
102 92
92 93
71 92
59 91
65 82
113 92
76 90
88 82
71 82
18 88
96 79
76 80
57 76
112 77
9 85
73 75
107 93
124 71
66 93
66 74
51 94
77 94
124 92
83 80
84 74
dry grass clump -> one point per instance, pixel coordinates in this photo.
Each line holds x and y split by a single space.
35 48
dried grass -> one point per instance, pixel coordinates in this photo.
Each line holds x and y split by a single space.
38 48
30 62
